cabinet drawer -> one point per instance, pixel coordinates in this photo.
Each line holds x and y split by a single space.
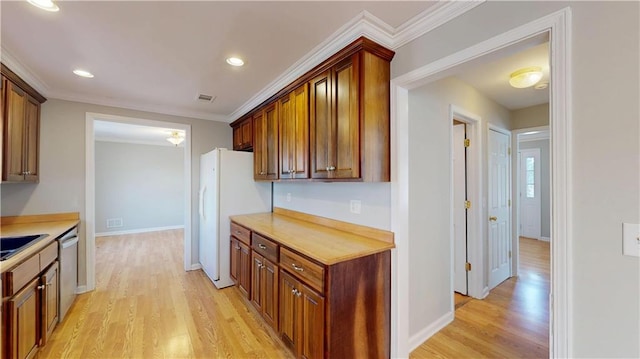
308 271
48 255
243 234
264 247
16 278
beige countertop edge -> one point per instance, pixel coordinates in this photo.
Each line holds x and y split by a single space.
53 229
372 246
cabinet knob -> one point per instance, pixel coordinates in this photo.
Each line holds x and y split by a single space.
299 269
298 293
41 287
331 168
262 246
493 218
262 173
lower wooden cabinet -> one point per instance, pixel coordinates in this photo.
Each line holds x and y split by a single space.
264 288
302 320
241 266
50 301
23 322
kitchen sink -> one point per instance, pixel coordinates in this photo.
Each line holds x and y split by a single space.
10 246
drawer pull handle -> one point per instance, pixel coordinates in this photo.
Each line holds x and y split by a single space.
262 246
299 269
238 232
41 287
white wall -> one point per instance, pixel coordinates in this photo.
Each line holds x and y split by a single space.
605 171
534 116
142 184
62 163
332 200
430 189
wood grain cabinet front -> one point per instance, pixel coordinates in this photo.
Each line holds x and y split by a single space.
264 288
243 135
294 134
20 129
265 154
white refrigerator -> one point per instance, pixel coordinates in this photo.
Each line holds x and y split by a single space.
226 188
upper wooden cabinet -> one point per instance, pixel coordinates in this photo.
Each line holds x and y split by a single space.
265 154
294 134
334 120
20 129
243 135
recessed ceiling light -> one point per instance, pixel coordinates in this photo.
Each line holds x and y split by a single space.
83 73
47 5
235 61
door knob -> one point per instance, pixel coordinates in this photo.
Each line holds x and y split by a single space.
493 218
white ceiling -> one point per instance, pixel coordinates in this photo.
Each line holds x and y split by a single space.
159 55
122 132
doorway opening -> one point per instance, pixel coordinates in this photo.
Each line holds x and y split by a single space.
90 200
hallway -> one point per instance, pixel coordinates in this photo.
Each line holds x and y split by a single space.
511 322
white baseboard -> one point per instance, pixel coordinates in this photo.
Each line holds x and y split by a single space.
196 266
81 289
141 230
546 239
485 292
426 333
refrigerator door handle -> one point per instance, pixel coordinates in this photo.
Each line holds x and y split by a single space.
201 207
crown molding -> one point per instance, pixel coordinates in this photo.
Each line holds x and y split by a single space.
22 70
433 17
137 106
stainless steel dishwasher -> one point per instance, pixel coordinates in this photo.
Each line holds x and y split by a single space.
68 256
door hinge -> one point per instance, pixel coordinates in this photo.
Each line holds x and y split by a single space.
509 254
467 267
509 150
467 142
509 203
467 204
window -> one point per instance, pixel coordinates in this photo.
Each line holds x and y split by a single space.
530 169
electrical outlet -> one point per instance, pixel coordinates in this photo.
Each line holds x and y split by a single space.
631 239
355 206
288 197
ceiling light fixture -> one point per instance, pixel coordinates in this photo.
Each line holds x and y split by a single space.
525 77
176 138
47 5
83 73
235 61
541 86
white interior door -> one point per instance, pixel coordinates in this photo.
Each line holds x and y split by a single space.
498 211
459 211
530 193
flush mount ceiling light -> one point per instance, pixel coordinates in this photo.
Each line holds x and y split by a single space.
47 5
83 73
526 77
176 138
235 61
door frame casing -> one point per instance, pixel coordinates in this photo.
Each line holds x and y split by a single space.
90 190
475 286
515 245
558 26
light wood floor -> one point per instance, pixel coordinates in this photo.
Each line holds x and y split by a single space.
512 322
146 306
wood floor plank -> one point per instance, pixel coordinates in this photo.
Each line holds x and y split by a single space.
512 322
146 306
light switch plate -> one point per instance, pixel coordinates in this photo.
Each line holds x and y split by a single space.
355 206
631 239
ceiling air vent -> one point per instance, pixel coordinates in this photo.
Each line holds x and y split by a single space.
206 98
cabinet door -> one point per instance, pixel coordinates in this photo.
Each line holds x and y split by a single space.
14 146
50 301
244 273
23 336
235 260
345 128
294 134
247 133
265 146
312 324
270 302
320 124
237 138
257 284
32 131
288 315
